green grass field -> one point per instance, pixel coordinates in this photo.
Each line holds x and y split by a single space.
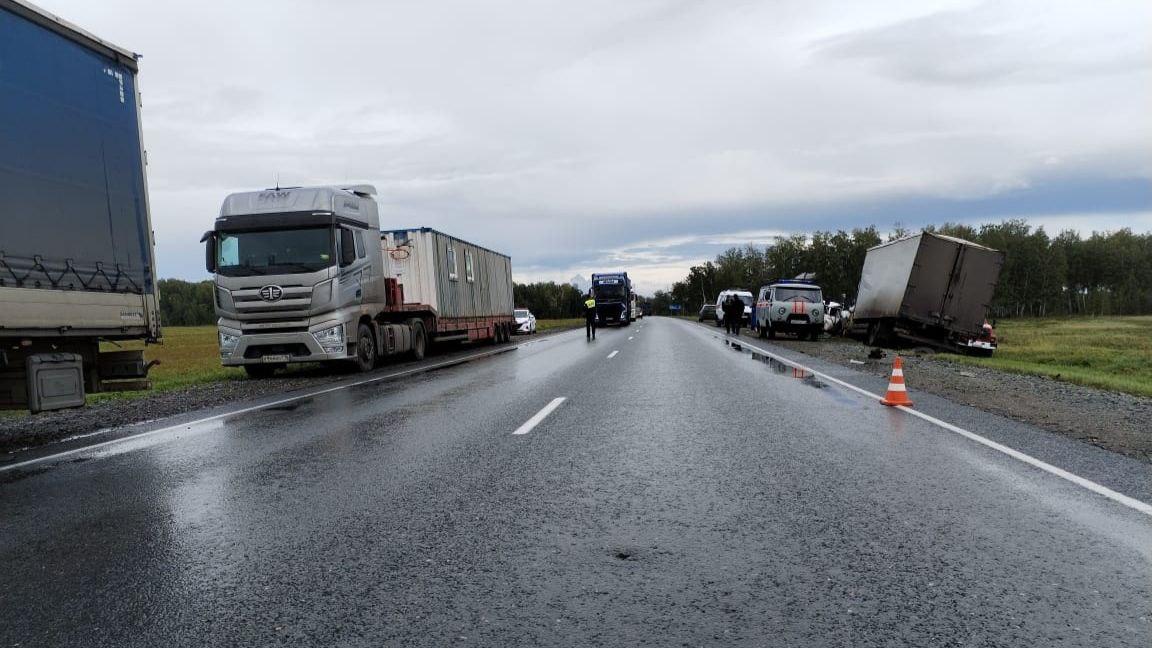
1112 353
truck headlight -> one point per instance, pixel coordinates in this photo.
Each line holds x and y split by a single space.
228 344
331 340
816 315
780 310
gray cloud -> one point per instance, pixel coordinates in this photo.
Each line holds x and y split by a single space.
576 133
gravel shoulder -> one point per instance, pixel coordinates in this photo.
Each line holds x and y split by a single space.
20 430
1114 421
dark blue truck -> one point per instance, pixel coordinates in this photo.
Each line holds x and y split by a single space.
613 293
77 263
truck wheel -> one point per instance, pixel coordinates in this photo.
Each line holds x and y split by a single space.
260 371
365 359
419 339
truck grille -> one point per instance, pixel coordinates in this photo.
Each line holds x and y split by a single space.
295 299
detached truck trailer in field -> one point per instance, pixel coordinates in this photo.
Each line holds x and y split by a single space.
304 274
76 251
928 289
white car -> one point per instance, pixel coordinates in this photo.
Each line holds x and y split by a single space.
525 321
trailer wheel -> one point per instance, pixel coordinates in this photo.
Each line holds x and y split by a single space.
365 359
419 339
260 371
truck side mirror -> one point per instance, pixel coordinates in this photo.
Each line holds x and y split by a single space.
209 241
347 248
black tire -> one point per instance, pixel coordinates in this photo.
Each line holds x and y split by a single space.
260 371
771 333
365 359
419 339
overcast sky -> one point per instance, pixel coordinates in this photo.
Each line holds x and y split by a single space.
645 135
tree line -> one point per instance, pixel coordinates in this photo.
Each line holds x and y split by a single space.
1107 273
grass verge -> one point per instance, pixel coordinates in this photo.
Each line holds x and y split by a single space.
1113 353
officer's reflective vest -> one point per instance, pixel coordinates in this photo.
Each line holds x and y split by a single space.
589 304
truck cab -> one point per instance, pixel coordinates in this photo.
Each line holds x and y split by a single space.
296 272
790 307
613 295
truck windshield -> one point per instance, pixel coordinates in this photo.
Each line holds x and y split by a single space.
243 254
812 295
609 291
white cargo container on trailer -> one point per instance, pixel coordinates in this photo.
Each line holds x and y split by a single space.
466 286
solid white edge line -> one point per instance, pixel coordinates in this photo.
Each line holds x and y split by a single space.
253 408
540 416
1119 498
613 354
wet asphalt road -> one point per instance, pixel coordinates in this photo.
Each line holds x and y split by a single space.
684 493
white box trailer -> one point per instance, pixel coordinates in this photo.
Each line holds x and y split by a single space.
466 287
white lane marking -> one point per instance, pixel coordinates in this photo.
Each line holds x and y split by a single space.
630 337
613 354
1099 489
540 416
253 408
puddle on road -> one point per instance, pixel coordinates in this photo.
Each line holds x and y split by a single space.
779 367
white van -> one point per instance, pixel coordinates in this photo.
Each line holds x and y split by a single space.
744 296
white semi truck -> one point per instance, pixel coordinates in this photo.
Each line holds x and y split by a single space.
305 274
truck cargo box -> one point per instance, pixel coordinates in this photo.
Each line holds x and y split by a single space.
935 281
74 225
456 278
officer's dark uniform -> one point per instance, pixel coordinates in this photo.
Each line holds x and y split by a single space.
590 318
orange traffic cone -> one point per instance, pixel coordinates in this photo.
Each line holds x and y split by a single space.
897 392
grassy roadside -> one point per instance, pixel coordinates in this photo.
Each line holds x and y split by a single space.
546 325
1113 353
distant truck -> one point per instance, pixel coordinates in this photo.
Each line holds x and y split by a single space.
928 289
77 264
613 293
305 274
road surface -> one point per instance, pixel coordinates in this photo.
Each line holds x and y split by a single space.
658 486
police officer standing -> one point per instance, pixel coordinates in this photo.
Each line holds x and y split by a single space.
590 316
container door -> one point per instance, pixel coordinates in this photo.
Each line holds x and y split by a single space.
973 284
928 284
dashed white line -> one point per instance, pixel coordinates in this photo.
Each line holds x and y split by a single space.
1099 489
540 416
630 337
613 354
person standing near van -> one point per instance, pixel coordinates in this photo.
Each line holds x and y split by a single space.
733 313
590 316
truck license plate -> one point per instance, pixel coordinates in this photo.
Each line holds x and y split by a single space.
276 358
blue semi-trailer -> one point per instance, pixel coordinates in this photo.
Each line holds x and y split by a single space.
77 265
613 294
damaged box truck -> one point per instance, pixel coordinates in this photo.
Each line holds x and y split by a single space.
928 289
304 274
76 251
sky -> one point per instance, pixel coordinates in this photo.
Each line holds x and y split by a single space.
645 135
